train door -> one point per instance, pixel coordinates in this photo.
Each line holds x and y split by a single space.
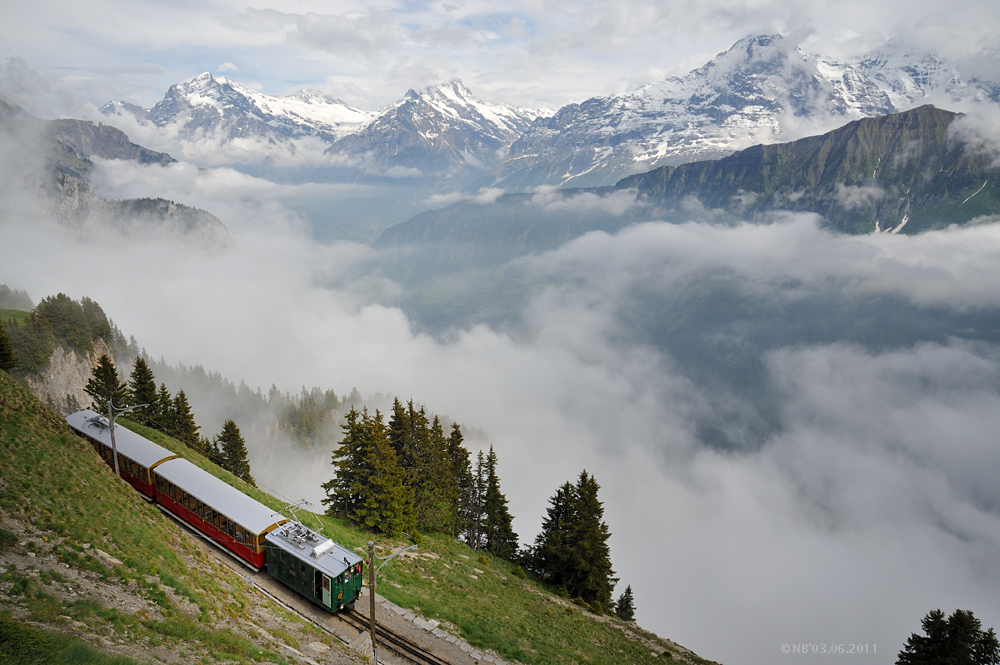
326 592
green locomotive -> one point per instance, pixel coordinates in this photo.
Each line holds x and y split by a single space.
322 571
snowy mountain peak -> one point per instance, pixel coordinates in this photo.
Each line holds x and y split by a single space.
443 127
228 110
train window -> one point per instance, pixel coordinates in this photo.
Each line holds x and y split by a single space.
326 583
215 517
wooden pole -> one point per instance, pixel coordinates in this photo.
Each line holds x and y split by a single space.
371 593
111 428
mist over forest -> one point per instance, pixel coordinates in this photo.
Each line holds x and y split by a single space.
794 429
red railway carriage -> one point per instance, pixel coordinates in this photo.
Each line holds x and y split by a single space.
218 510
137 456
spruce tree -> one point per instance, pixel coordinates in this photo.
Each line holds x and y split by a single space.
104 385
461 479
625 607
183 427
8 359
435 497
162 415
232 451
370 485
143 388
956 640
498 530
344 489
572 550
385 502
474 524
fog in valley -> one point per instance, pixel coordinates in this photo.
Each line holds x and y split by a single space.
794 431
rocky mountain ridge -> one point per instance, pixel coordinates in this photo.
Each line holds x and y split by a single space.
764 89
901 173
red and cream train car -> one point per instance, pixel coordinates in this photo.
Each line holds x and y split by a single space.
218 510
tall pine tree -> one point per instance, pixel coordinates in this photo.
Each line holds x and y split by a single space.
625 607
182 425
143 388
572 550
461 480
105 385
370 486
498 531
232 452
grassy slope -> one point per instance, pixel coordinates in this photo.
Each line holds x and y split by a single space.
74 505
55 479
14 314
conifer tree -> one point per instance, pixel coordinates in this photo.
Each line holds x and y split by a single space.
104 385
163 410
232 451
143 388
956 640
385 502
370 484
498 530
435 497
8 359
183 427
473 532
572 550
625 607
343 490
461 479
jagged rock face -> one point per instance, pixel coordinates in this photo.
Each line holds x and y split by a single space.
442 127
63 380
227 110
76 205
89 140
740 98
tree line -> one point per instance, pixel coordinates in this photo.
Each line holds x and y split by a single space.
408 475
170 414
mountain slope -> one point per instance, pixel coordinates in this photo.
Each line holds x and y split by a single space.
901 172
896 172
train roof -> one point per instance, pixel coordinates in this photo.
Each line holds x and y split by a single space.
129 444
313 548
234 504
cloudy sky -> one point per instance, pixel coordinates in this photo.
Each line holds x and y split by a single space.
873 503
535 53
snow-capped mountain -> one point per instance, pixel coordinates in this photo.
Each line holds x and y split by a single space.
911 78
440 128
762 90
227 110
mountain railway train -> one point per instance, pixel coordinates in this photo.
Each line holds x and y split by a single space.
325 573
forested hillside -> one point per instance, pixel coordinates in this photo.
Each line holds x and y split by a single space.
84 556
